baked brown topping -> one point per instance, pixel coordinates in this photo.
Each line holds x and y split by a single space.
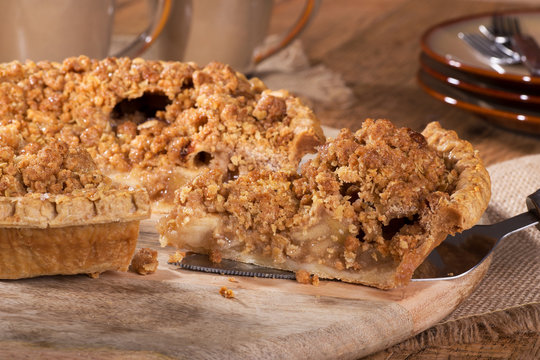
379 198
79 139
226 293
151 118
144 262
52 168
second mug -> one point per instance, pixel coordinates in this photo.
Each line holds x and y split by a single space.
229 31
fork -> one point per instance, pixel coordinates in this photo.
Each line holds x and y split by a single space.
507 30
496 53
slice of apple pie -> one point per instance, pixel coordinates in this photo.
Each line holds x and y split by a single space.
59 214
367 209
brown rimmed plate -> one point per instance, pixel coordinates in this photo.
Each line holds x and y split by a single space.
441 43
496 112
480 85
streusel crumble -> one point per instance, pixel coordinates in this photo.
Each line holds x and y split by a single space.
86 145
154 123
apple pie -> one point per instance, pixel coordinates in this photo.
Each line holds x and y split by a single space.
367 209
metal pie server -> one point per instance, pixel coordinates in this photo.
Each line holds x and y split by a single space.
455 257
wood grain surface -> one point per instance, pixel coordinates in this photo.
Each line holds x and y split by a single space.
181 314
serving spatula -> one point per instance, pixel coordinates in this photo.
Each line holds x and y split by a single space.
455 257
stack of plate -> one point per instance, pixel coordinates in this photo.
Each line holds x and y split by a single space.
453 72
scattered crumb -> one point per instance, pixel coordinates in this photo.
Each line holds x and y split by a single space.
303 277
177 257
144 262
215 256
226 293
94 275
231 279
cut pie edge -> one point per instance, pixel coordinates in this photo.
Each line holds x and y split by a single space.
471 196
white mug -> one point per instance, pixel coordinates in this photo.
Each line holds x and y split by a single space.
56 29
229 31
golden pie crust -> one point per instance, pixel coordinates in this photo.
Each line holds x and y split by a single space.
86 146
84 249
367 209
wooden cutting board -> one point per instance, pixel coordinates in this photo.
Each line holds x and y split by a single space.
181 314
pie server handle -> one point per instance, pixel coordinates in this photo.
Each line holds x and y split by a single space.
533 204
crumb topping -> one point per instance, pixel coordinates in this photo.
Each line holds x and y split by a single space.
53 168
226 293
144 262
373 191
303 277
177 257
149 117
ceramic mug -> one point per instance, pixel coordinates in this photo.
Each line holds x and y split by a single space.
55 29
229 31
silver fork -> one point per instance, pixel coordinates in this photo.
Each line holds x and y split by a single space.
506 31
495 52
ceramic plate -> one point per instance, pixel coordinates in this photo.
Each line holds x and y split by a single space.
441 42
506 115
506 91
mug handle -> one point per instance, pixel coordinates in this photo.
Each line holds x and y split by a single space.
147 37
309 11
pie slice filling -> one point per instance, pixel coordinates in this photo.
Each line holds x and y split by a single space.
367 209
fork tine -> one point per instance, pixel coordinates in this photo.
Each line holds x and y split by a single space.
517 26
505 25
509 26
485 47
477 42
496 24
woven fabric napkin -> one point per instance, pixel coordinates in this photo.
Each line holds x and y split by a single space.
514 276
